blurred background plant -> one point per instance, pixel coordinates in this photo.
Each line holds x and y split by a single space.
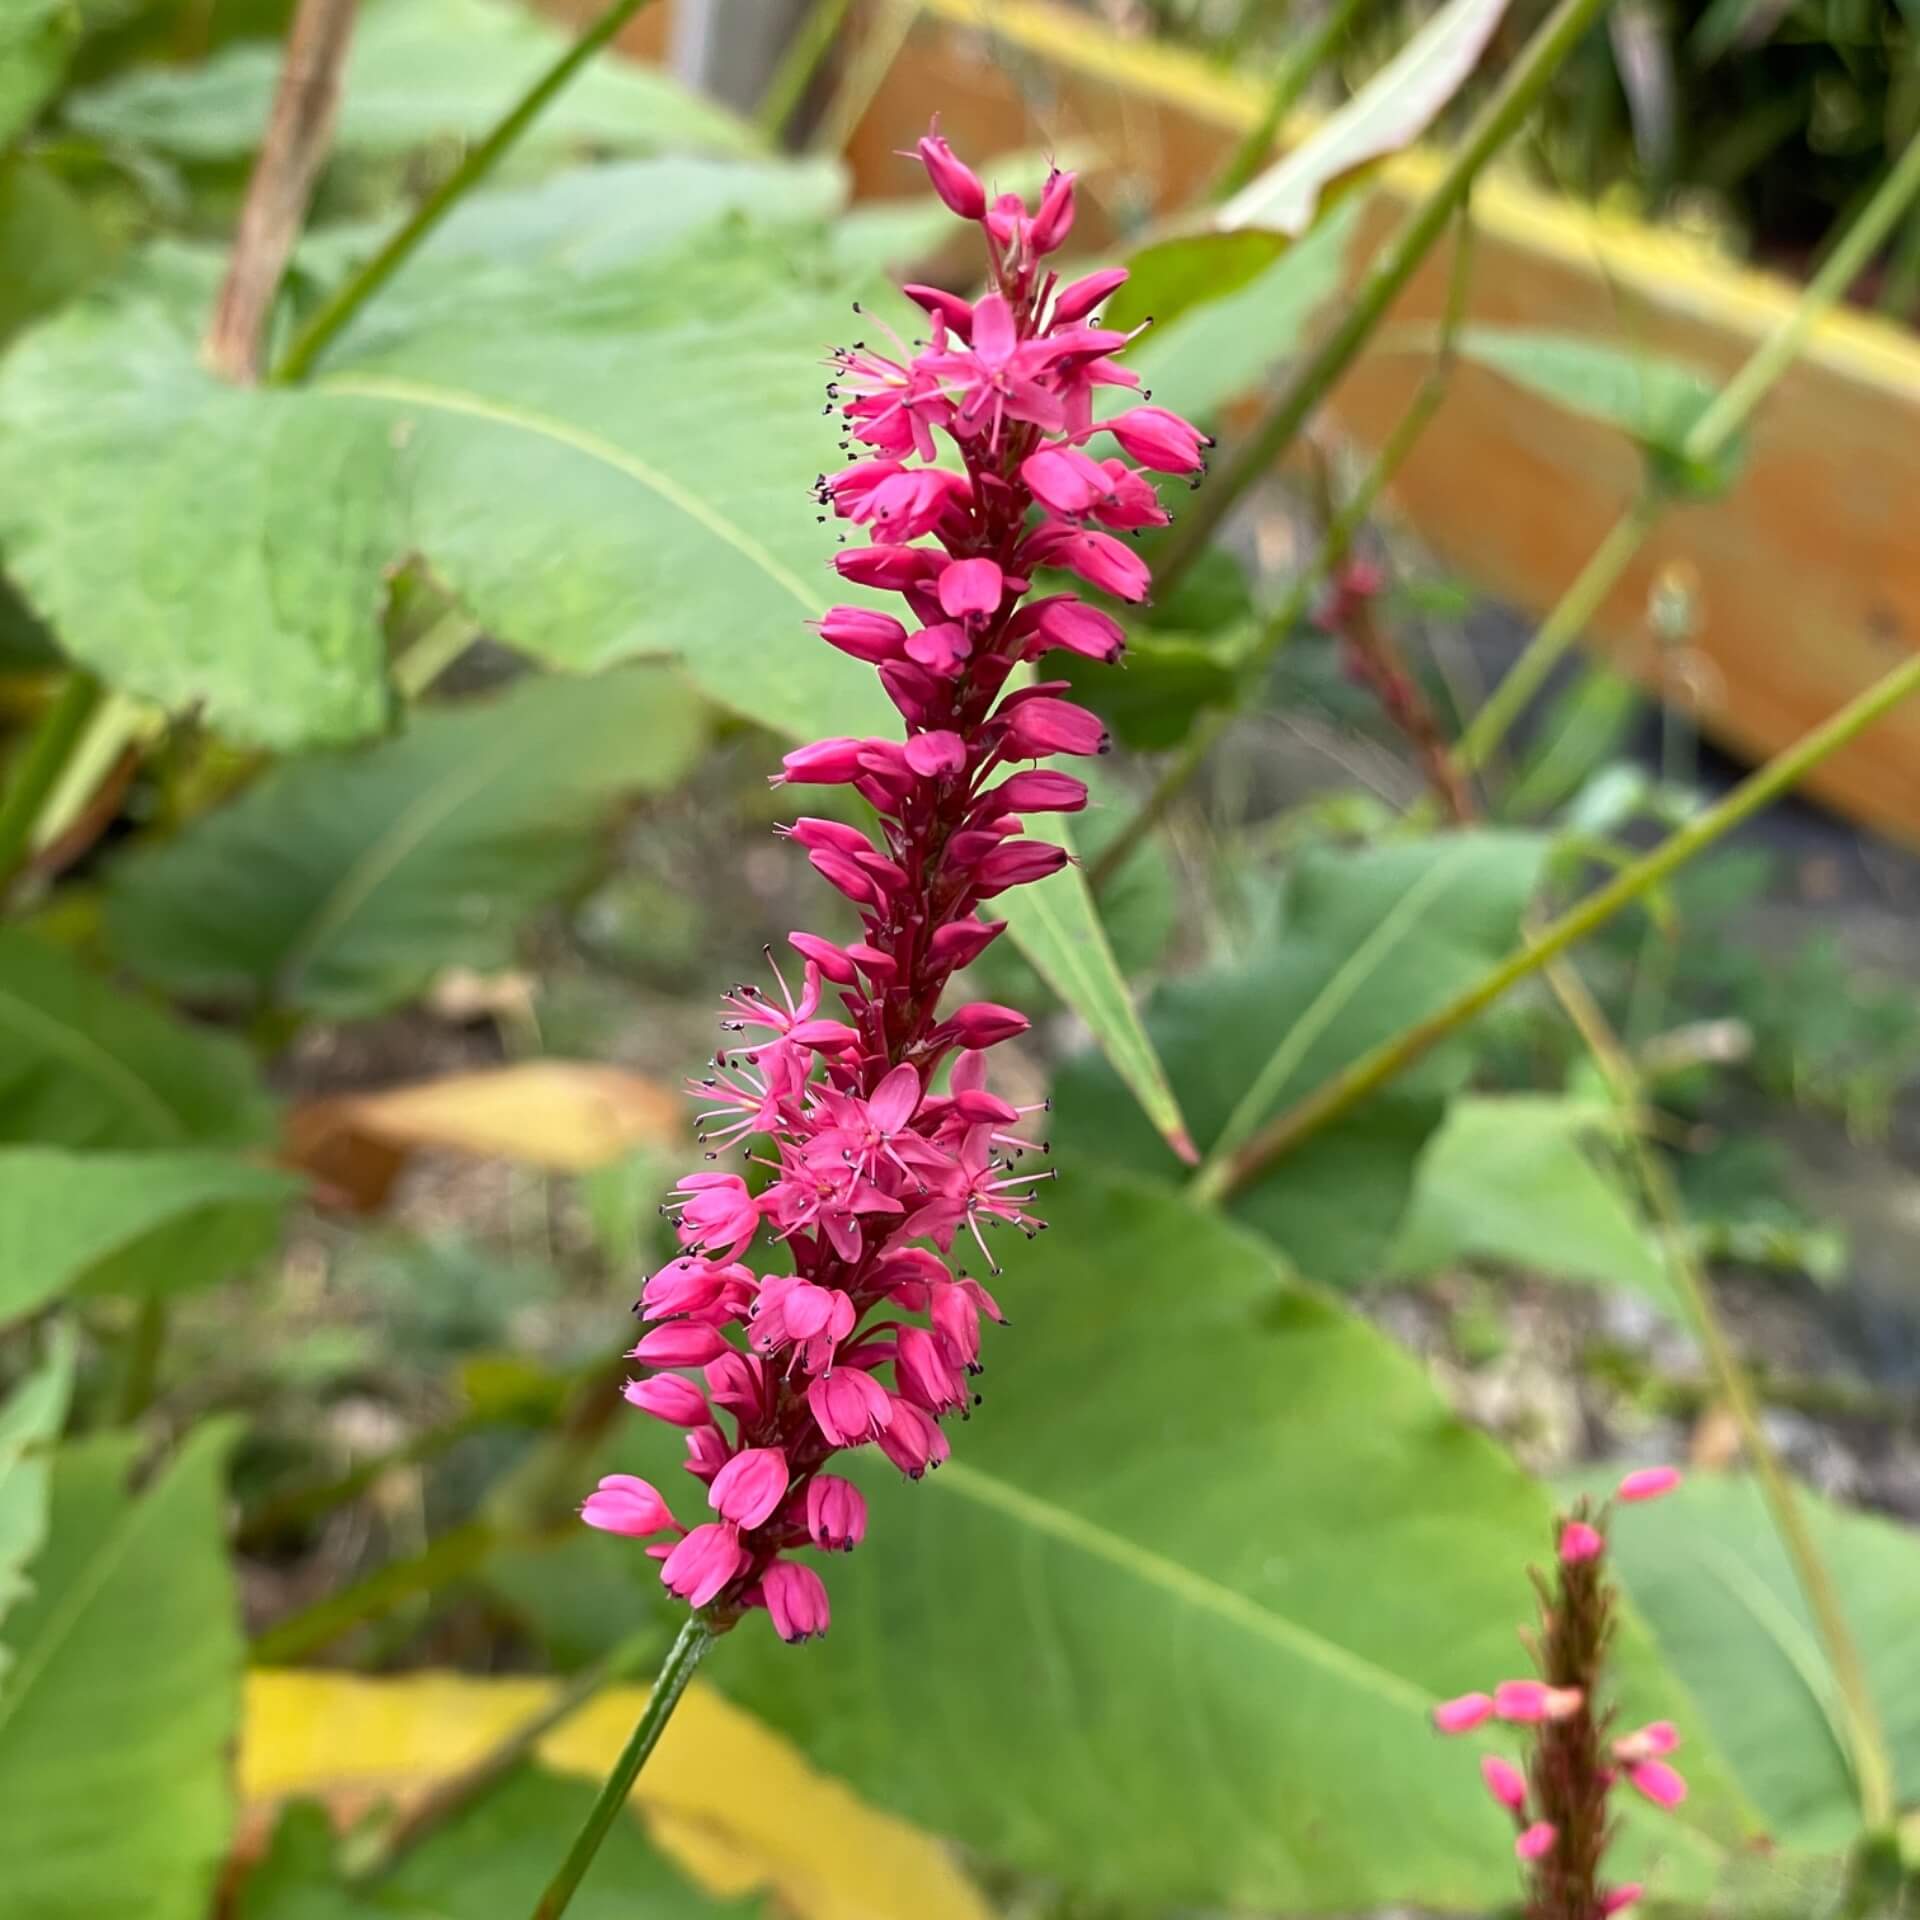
384 801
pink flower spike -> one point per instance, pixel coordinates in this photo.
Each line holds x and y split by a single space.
971 588
955 182
1504 1781
623 1504
1648 1483
1659 1782
1579 1542
750 1486
1620 1898
1464 1714
1537 1842
796 1598
709 1559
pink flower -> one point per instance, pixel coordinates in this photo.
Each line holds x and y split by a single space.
1526 1701
622 1504
1648 1483
750 1486
1504 1781
796 1597
1659 1782
874 1138
1463 1714
1651 1742
705 1563
1536 1842
1579 1541
1620 1898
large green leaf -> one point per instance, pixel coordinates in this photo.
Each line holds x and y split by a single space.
1512 1180
1390 112
1362 944
36 38
340 884
118 1716
1169 1624
129 1222
30 1420
491 1861
1707 1571
418 71
83 1065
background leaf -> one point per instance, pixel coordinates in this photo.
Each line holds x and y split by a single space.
1361 944
418 71
1239 1573
1511 1179
83 1065
340 885
118 1713
30 1420
36 38
129 1222
1708 1572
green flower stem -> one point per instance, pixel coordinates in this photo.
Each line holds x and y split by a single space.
1295 76
1285 620
810 45
318 334
1708 439
1496 123
1375 1068
675 1671
1866 1735
41 766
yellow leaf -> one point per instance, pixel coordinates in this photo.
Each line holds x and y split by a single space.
733 1804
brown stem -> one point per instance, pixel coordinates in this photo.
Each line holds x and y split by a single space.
299 134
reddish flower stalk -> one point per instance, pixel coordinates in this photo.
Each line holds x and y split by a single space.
863 1332
1561 1805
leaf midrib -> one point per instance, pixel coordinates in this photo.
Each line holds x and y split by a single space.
92 1059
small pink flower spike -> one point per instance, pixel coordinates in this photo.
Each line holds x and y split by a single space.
1619 1899
1504 1781
1578 1542
1648 1483
1463 1714
1659 1782
1537 1841
1651 1742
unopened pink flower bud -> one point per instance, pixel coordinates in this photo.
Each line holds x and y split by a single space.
934 754
796 1599
708 1559
866 635
1651 1742
912 1440
623 1504
1053 220
982 1023
831 960
890 568
1660 1783
961 942
668 1397
836 1514
953 180
1504 1781
1537 1841
1037 727
849 1407
1527 1701
1065 480
1464 1714
945 306
826 763
1097 558
1078 299
1619 1899
1648 1483
1017 864
750 1486
1579 1542
1075 627
681 1343
971 589
1159 439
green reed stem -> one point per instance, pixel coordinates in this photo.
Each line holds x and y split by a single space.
1383 1063
675 1671
320 331
1708 439
809 47
1295 76
52 746
1496 123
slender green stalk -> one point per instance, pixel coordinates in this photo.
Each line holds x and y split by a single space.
472 1783
318 334
810 45
1295 76
1285 620
1374 1069
146 1341
865 74
1709 438
1496 123
1866 1736
675 1671
53 744
434 652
